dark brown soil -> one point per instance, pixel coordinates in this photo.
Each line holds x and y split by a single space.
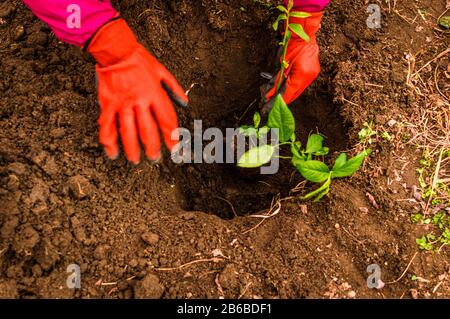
133 228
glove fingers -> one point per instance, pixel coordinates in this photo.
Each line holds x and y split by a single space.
129 135
148 132
108 134
167 120
173 88
293 91
270 93
291 56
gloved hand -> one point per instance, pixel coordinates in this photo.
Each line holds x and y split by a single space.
304 65
134 92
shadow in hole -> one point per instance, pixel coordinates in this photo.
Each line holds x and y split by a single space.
223 189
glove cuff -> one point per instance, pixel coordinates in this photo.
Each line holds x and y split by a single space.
113 42
311 24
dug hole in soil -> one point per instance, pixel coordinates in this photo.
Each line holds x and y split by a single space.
167 231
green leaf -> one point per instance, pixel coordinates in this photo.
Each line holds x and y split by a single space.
314 144
281 117
244 127
319 191
263 131
280 18
247 130
293 138
446 236
445 22
324 151
416 218
366 132
256 157
438 218
290 4
313 171
298 30
424 244
340 161
282 9
256 120
299 14
351 166
386 136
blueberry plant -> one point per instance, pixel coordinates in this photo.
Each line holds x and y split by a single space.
307 160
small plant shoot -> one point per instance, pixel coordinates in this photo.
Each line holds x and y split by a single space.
289 28
307 160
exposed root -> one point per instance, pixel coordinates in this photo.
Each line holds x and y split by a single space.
404 272
273 211
230 204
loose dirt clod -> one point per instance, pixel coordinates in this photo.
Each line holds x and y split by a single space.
26 239
149 288
229 277
80 186
150 238
47 256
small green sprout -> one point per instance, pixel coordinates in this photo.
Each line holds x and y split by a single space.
386 136
430 241
445 22
366 133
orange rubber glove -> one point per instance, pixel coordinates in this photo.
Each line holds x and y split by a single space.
135 90
304 65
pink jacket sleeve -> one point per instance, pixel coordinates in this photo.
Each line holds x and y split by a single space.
309 5
73 21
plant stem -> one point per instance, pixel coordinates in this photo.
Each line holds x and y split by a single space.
285 44
285 143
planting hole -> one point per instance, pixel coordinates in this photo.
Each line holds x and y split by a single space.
220 57
225 190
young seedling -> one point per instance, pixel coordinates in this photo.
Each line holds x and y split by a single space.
306 161
280 117
275 116
431 241
445 22
367 133
286 14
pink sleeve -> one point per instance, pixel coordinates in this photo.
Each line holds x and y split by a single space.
73 21
310 5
